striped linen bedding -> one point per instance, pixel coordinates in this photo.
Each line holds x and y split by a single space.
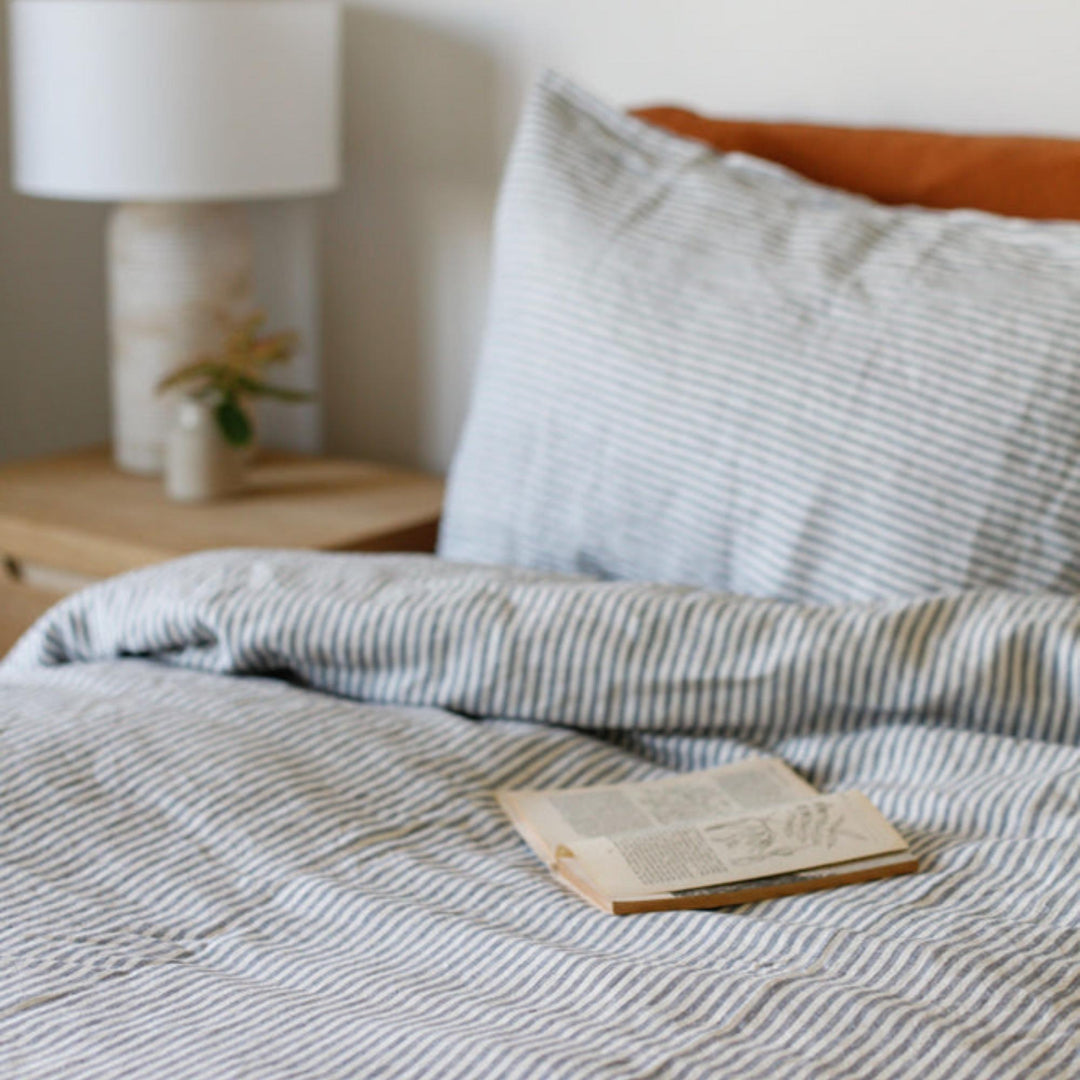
702 368
248 830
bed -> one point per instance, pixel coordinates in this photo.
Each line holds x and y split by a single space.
248 821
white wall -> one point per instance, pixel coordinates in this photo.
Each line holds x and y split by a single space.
432 90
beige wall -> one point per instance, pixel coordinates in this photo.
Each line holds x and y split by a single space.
432 88
52 317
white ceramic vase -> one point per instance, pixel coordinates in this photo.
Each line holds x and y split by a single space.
199 463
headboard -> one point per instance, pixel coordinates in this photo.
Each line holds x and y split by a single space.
1017 175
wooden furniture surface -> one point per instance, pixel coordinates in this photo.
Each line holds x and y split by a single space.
20 605
69 520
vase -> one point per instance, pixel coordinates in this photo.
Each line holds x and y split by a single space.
199 463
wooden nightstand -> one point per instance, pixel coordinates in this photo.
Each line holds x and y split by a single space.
69 520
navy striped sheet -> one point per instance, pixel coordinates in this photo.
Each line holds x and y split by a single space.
705 369
206 877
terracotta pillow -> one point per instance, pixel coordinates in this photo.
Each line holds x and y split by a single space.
1006 174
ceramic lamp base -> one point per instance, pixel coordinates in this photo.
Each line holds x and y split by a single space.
180 277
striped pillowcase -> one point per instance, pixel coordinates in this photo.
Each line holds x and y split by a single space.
703 368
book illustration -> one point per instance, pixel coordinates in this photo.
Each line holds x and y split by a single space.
748 840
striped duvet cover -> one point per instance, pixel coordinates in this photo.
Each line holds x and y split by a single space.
247 830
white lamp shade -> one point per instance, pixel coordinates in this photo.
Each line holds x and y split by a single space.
176 100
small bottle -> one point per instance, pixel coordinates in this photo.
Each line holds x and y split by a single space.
199 463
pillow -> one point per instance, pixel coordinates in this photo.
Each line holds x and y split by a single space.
1020 175
703 368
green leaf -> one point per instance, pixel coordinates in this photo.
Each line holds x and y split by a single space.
201 369
233 421
227 381
258 388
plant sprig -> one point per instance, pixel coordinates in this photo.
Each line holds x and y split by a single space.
236 372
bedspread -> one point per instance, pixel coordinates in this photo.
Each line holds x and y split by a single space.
247 828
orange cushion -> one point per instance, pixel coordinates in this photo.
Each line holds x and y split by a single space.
1006 174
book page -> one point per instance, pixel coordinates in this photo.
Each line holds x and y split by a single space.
548 818
781 839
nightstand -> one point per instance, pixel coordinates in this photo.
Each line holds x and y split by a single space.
69 520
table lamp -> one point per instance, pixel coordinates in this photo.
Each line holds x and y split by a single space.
177 110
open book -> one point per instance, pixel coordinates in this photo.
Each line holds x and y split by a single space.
729 835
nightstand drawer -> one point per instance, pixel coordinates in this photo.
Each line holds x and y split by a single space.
52 580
